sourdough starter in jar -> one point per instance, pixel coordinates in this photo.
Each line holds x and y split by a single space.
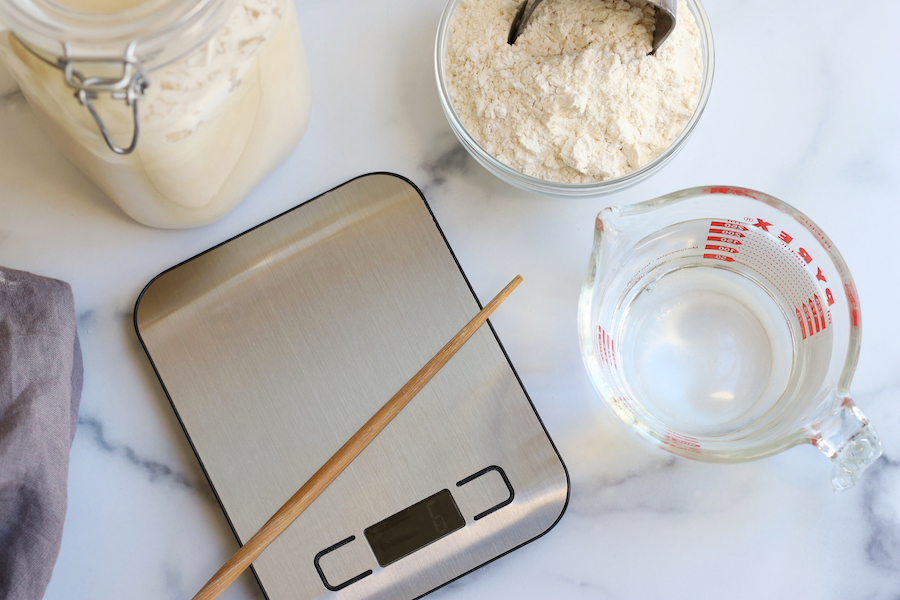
213 122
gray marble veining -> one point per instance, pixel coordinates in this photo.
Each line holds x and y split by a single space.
156 472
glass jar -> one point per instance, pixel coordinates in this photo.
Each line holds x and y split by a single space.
176 109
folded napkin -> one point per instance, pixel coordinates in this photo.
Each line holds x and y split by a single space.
40 388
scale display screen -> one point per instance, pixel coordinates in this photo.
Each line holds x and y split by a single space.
414 527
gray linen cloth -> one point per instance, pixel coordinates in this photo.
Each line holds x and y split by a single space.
40 388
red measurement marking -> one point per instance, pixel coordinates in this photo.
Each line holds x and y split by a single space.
802 324
715 238
828 296
764 225
725 240
607 350
683 442
605 341
819 275
722 248
726 232
821 312
602 346
730 190
784 237
626 403
601 339
854 306
729 225
719 257
808 320
815 313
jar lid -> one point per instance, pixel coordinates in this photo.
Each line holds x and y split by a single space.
153 32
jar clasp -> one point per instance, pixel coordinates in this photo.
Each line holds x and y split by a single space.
129 87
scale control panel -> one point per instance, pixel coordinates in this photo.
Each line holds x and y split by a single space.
414 527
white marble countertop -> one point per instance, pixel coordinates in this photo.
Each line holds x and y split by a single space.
804 107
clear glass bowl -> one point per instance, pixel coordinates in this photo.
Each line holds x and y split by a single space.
570 190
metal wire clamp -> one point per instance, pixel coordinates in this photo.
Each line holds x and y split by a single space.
129 87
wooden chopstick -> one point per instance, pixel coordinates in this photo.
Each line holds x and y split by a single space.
343 457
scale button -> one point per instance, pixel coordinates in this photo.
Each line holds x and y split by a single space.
484 492
339 565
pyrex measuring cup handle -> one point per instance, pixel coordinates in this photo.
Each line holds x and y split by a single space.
849 441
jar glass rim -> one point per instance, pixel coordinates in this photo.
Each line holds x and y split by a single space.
158 31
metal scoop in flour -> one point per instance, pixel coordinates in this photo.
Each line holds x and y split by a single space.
665 19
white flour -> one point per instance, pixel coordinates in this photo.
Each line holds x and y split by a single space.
188 93
576 99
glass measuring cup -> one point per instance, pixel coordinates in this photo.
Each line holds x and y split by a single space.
722 324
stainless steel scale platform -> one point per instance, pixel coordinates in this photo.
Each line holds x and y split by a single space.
277 345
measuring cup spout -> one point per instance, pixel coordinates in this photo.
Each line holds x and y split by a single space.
849 441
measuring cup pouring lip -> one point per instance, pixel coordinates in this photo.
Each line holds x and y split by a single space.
819 410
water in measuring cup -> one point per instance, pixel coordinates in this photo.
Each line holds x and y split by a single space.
709 349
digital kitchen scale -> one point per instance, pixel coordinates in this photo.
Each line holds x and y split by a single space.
277 345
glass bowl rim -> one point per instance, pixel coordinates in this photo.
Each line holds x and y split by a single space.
556 188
